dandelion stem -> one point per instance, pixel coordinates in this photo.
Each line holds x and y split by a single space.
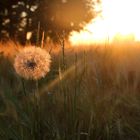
37 111
23 86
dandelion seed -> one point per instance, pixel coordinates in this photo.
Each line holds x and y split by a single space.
32 63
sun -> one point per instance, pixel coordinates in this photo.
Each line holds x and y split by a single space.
117 18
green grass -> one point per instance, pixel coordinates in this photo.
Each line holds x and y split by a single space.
96 96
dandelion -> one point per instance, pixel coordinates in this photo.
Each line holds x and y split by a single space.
32 63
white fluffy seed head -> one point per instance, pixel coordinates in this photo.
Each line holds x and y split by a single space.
32 63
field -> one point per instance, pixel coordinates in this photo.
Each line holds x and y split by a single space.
90 93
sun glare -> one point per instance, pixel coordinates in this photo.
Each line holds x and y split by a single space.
118 18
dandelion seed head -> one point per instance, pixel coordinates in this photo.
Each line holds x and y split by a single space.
32 63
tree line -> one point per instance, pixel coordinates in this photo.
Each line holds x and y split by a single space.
51 17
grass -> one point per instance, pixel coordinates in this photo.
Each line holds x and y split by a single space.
90 94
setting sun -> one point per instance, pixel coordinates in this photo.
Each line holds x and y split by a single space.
117 19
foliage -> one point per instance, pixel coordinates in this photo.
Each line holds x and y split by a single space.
51 16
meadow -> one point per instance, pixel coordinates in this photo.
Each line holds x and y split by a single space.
91 93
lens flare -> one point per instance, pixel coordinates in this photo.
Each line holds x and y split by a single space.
117 19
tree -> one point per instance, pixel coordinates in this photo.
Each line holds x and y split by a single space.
57 16
18 17
7 20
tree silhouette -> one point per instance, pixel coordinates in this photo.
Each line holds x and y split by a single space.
18 17
57 16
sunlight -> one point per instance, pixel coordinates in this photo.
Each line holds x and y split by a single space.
117 17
